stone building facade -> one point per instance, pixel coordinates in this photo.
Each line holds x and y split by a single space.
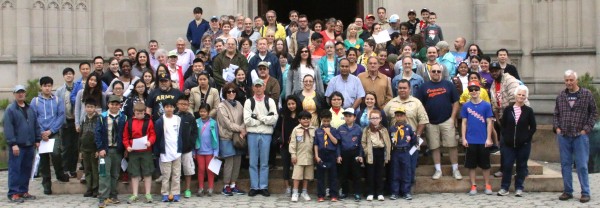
545 37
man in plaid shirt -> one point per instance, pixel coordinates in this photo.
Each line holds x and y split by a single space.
574 117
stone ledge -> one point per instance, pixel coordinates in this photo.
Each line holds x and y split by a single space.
60 59
563 51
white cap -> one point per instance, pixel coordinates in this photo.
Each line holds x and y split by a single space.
349 110
394 18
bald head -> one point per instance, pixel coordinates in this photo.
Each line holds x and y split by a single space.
459 44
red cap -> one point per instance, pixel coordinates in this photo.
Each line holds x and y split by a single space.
370 16
474 84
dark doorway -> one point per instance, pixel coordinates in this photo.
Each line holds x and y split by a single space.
345 10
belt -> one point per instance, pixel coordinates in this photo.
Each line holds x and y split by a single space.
400 149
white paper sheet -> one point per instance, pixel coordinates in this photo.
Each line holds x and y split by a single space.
124 164
139 143
414 148
382 37
215 165
36 163
46 146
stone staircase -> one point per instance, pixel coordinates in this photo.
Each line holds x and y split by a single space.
540 179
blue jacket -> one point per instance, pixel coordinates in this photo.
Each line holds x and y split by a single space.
322 65
274 68
160 138
363 120
195 32
50 112
320 140
408 133
350 139
102 131
78 86
18 129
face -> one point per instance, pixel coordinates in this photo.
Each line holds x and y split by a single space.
283 61
403 30
142 59
432 54
140 87
473 50
173 60
240 76
326 121
412 16
162 59
302 23
246 46
114 66
153 46
502 56
407 51
262 45
474 92
358 22
248 25
330 49
198 67
521 96
118 55
425 15
317 42
226 28
331 25
436 73
258 89
377 28
381 14
349 118
375 118
463 69
473 77
118 90
169 109
336 101
165 85
90 109
294 17
114 107
85 70
98 64
202 81
432 19
344 67
293 28
304 53
69 77
458 43
46 89
271 18
381 57
231 45
352 57
485 65
339 50
308 82
230 94
214 24
219 47
318 27
20 96
496 73
403 90
92 82
197 16
352 30
258 22
263 71
270 36
180 46
407 65
367 47
203 113
183 105
373 65
370 100
570 82
279 45
339 26
475 64
131 53
369 21
291 105
305 121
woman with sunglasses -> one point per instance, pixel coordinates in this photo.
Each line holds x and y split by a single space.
483 93
203 93
300 67
312 101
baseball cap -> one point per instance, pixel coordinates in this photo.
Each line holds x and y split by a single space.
349 111
172 53
19 88
369 16
474 84
424 10
214 18
259 82
399 110
164 76
495 65
264 63
394 18
412 11
114 98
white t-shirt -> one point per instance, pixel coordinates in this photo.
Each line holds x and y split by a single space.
171 132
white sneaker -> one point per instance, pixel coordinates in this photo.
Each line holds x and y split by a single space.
456 174
305 196
295 197
437 175
519 193
370 198
502 192
380 198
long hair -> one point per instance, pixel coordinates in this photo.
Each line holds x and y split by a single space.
93 92
137 58
285 48
363 105
298 59
287 113
134 92
479 51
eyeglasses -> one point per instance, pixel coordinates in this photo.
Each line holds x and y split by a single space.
308 81
473 89
231 92
374 118
436 71
304 51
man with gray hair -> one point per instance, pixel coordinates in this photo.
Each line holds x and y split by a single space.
185 56
574 117
239 26
446 58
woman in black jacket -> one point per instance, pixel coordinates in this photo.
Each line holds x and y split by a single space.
518 127
283 129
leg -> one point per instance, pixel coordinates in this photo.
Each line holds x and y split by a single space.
472 176
581 147
95 177
227 168
135 183
202 166
414 160
70 144
566 162
57 159
253 151
356 176
165 171
394 173
333 181
104 181
522 171
44 171
115 169
370 178
321 181
27 154
264 144
210 174
15 172
176 177
147 184
379 171
508 153
285 158
406 173
88 159
237 161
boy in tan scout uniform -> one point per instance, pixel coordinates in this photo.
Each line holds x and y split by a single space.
301 150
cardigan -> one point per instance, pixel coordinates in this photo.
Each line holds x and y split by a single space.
517 134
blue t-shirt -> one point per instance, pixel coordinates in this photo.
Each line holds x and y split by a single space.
476 115
438 97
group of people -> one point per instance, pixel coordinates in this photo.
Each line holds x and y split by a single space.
323 97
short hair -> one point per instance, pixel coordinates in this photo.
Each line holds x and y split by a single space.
432 13
325 114
259 17
316 36
46 80
302 16
404 81
442 45
272 11
405 57
153 41
84 63
304 114
160 52
571 73
228 86
371 43
339 43
522 87
67 70
198 10
196 60
385 10
98 57
90 101
118 50
204 106
500 50
130 48
125 60
139 106
184 98
329 43
336 94
292 12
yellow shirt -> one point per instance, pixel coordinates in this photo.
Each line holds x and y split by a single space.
337 119
483 94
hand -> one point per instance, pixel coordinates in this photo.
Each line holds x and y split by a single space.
96 155
129 149
77 129
81 156
327 130
148 144
339 160
464 143
102 153
294 160
37 145
558 131
318 160
45 138
15 150
488 142
125 154
583 132
359 159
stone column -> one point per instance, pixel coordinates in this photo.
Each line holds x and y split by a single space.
597 69
527 69
24 70
97 13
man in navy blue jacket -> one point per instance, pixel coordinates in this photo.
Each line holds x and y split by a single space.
22 133
264 55
196 29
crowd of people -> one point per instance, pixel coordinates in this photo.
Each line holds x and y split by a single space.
331 100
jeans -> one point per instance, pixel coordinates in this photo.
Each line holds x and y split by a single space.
19 170
70 149
578 146
401 173
509 156
329 158
258 150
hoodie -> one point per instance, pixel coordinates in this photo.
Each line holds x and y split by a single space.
50 112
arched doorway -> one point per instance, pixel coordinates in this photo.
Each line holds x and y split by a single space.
345 10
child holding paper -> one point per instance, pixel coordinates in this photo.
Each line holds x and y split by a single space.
170 142
207 147
139 128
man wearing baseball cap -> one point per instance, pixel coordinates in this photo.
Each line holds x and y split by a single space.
165 92
22 134
394 22
412 21
369 20
215 27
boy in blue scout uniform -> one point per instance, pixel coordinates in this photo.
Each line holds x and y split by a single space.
326 149
403 139
350 154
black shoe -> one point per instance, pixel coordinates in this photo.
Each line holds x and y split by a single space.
88 194
565 197
252 192
393 197
265 192
64 178
48 191
15 198
584 199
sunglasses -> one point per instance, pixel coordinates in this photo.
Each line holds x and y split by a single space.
304 51
436 71
473 89
231 92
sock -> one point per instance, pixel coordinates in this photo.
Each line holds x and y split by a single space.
295 191
304 191
454 167
232 185
438 167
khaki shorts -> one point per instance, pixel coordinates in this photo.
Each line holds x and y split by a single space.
187 163
443 133
303 172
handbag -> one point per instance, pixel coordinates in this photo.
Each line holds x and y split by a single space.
239 142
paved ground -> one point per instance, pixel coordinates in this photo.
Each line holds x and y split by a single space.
420 200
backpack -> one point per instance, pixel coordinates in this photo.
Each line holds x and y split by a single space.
144 127
253 103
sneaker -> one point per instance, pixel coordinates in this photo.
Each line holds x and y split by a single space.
488 189
519 193
88 194
380 198
437 175
356 197
408 197
63 178
321 199
456 174
370 198
227 191
565 196
15 198
187 193
132 199
327 192
209 192
502 192
342 196
101 204
393 197
265 192
584 198
27 196
115 200
82 180
73 174
305 196
237 191
473 191
108 201
165 198
498 174
158 180
334 199
176 198
200 193
294 197
252 192
149 198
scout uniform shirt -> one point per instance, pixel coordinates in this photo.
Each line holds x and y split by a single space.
301 144
402 136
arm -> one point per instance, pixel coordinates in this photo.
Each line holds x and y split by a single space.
58 122
316 151
292 146
216 149
463 131
126 140
214 102
9 131
357 103
272 119
592 115
290 81
388 92
77 109
490 126
189 31
275 93
152 134
226 122
455 107
556 117
319 81
98 135
75 91
532 124
248 120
